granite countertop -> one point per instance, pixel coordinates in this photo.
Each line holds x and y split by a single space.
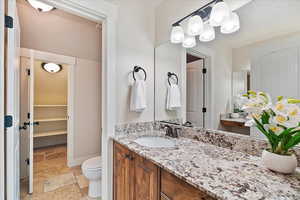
221 173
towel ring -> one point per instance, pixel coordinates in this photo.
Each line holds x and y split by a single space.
170 74
137 69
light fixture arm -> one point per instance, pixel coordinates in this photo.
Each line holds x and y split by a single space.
204 11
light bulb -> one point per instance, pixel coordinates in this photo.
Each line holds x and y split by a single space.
189 41
208 33
177 34
219 11
51 67
231 24
40 6
195 25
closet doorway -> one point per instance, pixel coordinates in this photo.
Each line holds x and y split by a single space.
47 109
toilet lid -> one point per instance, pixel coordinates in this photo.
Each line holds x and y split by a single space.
93 163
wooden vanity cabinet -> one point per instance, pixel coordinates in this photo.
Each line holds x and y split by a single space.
173 188
135 178
123 172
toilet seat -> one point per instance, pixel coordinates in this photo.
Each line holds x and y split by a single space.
92 164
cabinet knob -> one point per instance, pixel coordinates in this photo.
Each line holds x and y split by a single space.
128 156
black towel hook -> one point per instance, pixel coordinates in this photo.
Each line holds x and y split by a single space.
137 69
170 74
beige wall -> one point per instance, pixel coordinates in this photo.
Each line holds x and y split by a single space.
50 88
87 108
59 32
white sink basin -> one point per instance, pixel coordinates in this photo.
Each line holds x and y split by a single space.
155 142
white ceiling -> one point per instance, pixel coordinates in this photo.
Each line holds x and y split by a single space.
264 19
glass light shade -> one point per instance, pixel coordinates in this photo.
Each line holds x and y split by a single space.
218 13
208 33
189 41
231 24
195 25
40 6
51 67
177 34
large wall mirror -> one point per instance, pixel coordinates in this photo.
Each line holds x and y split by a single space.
263 55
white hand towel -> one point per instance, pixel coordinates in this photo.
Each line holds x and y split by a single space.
173 97
138 96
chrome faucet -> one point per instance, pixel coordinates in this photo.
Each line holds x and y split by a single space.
170 132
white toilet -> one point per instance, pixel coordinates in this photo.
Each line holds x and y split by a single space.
91 169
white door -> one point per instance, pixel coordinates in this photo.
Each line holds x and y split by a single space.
2 100
194 93
24 118
13 105
31 127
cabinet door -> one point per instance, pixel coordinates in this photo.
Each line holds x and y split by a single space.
146 184
122 173
172 188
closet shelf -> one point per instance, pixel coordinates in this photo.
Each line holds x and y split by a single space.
49 106
51 119
49 133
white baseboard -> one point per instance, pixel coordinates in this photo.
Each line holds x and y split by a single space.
79 161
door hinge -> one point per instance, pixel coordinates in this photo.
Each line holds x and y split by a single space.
9 22
28 72
8 121
204 110
27 161
204 70
28 115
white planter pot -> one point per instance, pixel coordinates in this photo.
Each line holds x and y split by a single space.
279 163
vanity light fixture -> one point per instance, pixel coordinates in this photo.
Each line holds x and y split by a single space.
231 24
189 41
40 6
51 67
202 22
195 25
218 13
208 33
177 35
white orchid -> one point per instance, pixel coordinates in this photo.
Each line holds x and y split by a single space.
280 123
274 128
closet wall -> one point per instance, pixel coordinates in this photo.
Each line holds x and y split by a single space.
50 106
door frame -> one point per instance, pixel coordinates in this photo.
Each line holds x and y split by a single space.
71 62
208 60
2 102
107 14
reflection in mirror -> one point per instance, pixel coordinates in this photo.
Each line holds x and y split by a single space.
263 56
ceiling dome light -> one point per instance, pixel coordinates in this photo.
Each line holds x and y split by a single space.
40 6
231 24
208 33
189 41
195 25
51 67
219 11
177 34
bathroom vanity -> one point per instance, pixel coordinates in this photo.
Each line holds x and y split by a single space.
136 177
202 165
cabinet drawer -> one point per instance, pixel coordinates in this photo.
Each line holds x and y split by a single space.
172 188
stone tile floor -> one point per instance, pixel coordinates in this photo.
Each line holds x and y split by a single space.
49 163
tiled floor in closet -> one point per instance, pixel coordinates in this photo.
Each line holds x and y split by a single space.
53 179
